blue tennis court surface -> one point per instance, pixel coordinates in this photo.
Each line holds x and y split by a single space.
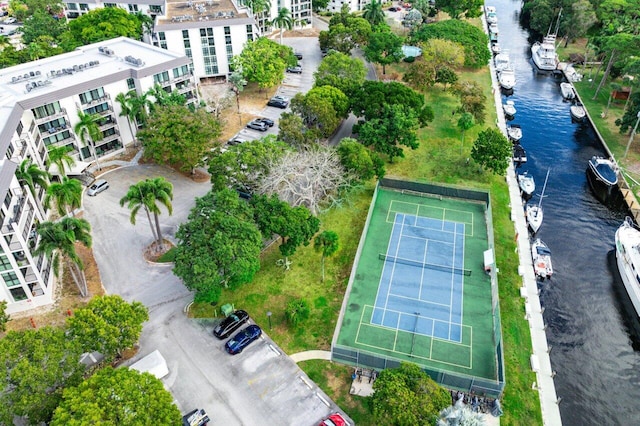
422 278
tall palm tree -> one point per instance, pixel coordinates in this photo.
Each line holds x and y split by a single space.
139 107
59 238
66 194
126 109
148 194
373 13
59 155
284 20
89 131
31 175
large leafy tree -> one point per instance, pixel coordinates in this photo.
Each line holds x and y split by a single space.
384 48
219 246
263 62
37 365
59 239
158 97
88 128
327 243
4 316
42 23
492 150
439 58
346 31
119 396
321 108
472 38
149 195
176 136
407 396
341 71
108 324
283 20
360 162
23 9
459 8
374 96
104 24
396 126
67 195
472 99
373 13
293 131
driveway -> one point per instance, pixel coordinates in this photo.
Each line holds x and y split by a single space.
262 385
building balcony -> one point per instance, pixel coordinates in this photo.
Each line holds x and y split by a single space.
97 101
57 114
109 138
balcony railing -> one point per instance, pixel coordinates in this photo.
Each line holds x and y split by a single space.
97 101
62 112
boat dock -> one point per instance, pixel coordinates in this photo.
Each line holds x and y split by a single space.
628 196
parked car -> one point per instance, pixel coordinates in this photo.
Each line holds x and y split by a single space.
230 324
278 102
197 417
297 55
258 125
394 9
235 141
335 419
237 343
97 187
295 70
10 20
269 122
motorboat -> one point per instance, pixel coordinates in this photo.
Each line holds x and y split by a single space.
509 108
490 13
541 256
519 154
493 32
527 184
602 174
567 91
501 61
628 259
507 79
544 53
578 113
495 48
514 132
534 213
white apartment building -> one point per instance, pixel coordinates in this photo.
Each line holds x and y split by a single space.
354 5
209 32
39 105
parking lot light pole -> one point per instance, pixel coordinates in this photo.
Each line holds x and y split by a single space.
269 316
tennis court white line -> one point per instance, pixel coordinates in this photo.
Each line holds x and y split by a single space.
393 270
417 300
424 260
453 276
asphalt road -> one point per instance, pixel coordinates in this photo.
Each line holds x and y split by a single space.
259 386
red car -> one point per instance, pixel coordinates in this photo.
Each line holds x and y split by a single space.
335 419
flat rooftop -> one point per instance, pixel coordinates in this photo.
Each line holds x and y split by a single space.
219 12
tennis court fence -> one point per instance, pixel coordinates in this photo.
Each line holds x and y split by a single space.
409 262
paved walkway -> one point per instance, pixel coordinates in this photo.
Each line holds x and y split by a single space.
307 355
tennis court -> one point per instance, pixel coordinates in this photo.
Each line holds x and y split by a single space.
419 291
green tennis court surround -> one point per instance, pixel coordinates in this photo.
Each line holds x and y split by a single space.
418 290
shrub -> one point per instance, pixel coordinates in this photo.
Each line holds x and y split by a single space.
297 310
409 59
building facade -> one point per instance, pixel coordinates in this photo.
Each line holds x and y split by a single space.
353 5
39 106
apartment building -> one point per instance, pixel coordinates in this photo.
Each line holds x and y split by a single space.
39 105
354 5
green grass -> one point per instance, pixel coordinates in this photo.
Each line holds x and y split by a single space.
168 257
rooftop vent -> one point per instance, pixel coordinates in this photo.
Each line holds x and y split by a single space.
134 61
106 51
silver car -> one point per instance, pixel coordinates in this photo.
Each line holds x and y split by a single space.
97 187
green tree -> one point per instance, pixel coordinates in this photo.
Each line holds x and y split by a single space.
373 97
373 13
88 128
293 131
407 396
127 108
465 122
446 76
42 23
297 310
236 78
158 97
59 238
67 195
263 62
326 243
150 194
176 136
346 31
396 126
103 24
457 8
384 48
31 175
472 99
4 316
119 396
578 23
321 108
492 151
219 246
341 71
23 9
37 365
283 20
108 324
361 162
59 155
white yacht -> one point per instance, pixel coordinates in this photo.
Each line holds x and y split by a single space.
501 61
507 79
492 16
541 259
544 53
509 108
628 258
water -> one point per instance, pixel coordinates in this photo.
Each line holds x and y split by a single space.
591 324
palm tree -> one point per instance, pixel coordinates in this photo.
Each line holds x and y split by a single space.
284 20
89 131
31 175
60 238
373 13
126 109
326 243
67 195
147 194
59 155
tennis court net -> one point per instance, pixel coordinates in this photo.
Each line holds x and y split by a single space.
457 271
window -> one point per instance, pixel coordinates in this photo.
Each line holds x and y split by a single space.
131 84
10 151
18 294
72 6
52 126
163 40
97 109
10 279
58 137
161 78
155 9
110 5
229 46
47 110
133 8
250 32
181 71
20 128
84 6
92 95
208 51
5 265
187 46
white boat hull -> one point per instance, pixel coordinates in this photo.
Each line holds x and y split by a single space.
534 217
628 260
541 259
567 91
578 113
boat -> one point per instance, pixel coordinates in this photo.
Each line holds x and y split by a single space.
490 13
541 256
602 174
507 79
534 213
577 112
501 61
519 154
493 32
514 132
628 259
567 91
509 108
544 53
527 184
495 48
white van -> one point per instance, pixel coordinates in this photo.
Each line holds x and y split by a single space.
97 187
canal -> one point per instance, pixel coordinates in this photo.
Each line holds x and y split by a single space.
591 326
